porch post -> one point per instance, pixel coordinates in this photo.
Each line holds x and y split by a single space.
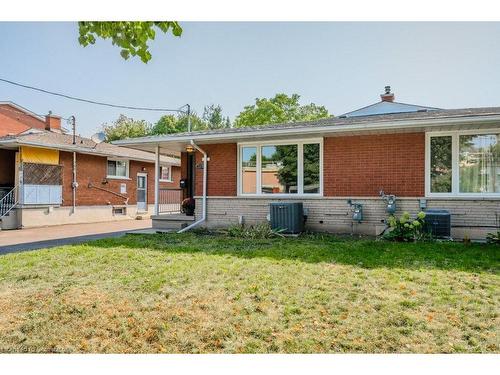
157 180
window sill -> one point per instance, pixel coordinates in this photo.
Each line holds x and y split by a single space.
118 178
166 180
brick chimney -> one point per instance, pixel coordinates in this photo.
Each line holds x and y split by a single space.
388 96
52 123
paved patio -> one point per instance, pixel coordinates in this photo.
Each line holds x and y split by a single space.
36 238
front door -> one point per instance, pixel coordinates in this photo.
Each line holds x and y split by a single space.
142 192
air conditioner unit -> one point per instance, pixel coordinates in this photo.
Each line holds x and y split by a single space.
287 216
438 223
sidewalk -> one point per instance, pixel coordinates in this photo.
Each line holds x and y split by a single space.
36 238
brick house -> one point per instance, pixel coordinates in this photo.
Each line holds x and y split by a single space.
36 175
427 157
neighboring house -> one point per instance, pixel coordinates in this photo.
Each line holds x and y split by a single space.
15 119
427 157
36 175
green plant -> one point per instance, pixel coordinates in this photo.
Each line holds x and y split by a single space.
131 37
493 237
405 229
258 231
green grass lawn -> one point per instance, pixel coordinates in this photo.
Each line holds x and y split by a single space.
196 293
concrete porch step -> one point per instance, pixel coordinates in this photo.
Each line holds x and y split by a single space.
173 221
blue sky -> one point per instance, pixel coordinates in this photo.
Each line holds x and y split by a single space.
342 66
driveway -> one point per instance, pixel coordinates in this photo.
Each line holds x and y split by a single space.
37 238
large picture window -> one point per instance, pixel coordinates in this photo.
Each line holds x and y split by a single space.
463 163
280 168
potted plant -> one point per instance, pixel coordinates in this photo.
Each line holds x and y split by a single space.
188 206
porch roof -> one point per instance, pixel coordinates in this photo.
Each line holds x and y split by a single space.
64 142
435 120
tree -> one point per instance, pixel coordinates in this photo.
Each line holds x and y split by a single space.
126 127
131 37
280 109
212 116
196 122
170 124
212 119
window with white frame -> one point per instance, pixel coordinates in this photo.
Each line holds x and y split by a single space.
463 163
166 173
117 168
280 168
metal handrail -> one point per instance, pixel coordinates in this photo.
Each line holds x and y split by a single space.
169 200
8 202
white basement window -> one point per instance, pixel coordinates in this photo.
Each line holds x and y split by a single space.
280 168
465 163
118 168
166 173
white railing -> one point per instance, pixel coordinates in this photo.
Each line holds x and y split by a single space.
169 201
8 202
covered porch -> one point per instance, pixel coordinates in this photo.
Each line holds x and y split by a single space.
172 207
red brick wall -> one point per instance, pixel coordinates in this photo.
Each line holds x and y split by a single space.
14 121
362 165
7 167
93 169
353 166
222 170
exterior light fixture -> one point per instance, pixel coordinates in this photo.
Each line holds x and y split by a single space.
189 148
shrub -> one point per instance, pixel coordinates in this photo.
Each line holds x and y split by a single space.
258 231
405 229
493 238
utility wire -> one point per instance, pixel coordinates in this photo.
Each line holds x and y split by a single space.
93 101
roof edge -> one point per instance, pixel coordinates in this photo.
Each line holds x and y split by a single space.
21 108
71 148
304 129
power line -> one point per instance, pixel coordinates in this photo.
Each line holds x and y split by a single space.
93 101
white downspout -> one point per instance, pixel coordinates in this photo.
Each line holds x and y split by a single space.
204 214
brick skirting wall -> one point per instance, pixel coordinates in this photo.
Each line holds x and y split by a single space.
471 218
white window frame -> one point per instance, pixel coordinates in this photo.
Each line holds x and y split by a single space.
170 179
127 169
455 172
300 168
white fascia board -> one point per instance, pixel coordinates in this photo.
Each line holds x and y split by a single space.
306 130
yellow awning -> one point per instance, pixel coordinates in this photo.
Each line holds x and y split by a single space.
39 155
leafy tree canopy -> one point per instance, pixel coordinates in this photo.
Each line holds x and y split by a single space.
282 108
168 124
212 116
212 119
126 127
131 37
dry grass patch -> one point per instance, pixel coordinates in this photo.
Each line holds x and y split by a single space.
196 293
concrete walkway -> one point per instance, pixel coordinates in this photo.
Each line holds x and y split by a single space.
37 238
